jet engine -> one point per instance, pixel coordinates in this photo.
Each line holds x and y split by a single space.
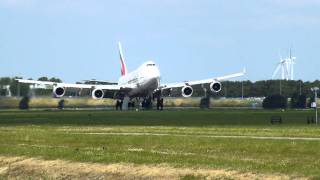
187 91
97 94
58 91
215 86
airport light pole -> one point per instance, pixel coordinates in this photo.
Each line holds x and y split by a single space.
241 89
18 90
300 89
280 87
315 90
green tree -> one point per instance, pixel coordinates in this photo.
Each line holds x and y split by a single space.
53 79
275 102
5 81
43 79
298 101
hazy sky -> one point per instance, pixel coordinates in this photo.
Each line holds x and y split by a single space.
188 39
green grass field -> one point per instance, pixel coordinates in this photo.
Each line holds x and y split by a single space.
241 140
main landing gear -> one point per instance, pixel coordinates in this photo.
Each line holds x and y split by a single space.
125 104
146 104
119 105
160 104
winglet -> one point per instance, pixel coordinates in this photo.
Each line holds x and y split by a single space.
122 62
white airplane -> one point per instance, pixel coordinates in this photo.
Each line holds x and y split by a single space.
144 82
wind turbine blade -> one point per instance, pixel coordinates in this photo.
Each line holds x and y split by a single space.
290 53
276 71
287 69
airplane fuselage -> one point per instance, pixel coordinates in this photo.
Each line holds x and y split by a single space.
143 81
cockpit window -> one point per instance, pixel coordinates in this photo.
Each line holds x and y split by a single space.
150 64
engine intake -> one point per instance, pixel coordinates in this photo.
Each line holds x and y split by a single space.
215 87
187 91
59 91
97 94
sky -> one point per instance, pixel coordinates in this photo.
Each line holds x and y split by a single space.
188 39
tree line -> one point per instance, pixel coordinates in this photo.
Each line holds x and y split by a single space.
230 89
267 88
19 89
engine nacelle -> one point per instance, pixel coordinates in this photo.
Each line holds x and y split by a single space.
215 86
58 91
187 91
97 94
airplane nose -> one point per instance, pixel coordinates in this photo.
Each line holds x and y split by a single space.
152 72
156 72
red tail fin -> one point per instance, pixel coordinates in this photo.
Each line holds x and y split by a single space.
122 62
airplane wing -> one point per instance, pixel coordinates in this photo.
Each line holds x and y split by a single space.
68 85
204 81
99 91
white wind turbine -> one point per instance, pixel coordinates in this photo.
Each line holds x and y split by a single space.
286 66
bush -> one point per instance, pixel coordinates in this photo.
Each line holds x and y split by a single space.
3 92
275 102
24 103
298 101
